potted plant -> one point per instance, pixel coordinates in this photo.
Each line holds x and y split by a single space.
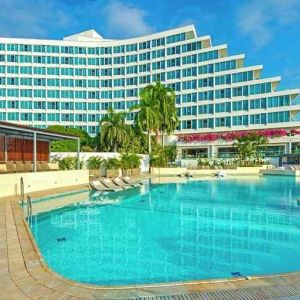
69 163
130 163
94 164
112 166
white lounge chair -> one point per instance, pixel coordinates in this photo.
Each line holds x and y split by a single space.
109 184
128 180
121 183
98 186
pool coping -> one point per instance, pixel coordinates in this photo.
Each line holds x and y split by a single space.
31 276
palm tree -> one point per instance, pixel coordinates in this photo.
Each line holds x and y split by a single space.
167 109
258 141
248 147
244 149
114 131
148 117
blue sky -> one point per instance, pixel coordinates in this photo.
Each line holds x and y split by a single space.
267 31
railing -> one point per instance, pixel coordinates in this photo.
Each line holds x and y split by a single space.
29 206
22 191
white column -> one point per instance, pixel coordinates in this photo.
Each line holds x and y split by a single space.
288 147
34 152
5 148
78 152
211 149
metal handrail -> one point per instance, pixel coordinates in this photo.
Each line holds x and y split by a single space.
22 191
29 206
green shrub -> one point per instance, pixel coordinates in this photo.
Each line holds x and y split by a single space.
157 161
94 162
69 145
68 163
112 164
87 149
130 161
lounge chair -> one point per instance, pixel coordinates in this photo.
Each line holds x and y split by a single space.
98 186
28 166
117 181
128 180
45 166
20 167
109 184
39 166
10 167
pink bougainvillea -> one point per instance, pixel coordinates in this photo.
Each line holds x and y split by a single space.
232 135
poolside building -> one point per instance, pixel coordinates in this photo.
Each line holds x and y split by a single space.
73 82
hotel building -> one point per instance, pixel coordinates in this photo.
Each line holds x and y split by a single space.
72 82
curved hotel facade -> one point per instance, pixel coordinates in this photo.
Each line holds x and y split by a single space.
72 82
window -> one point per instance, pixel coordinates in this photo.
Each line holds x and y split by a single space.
258 119
224 66
173 50
158 42
223 122
206 123
240 105
278 117
173 62
144 45
206 82
191 84
206 109
223 107
176 38
208 95
223 93
225 79
191 47
208 55
240 120
189 72
242 76
206 69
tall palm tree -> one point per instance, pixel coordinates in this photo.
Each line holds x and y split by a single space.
257 142
167 109
148 117
114 131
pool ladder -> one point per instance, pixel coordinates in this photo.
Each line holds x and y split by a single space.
29 206
22 191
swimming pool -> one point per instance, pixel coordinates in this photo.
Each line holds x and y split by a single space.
175 232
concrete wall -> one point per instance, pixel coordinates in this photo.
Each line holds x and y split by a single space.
178 171
294 173
33 182
84 156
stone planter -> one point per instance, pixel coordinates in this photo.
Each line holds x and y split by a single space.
136 172
95 173
126 172
113 173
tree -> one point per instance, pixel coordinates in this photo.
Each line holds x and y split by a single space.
167 109
114 131
69 145
148 117
248 147
257 142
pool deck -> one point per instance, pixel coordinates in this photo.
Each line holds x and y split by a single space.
24 274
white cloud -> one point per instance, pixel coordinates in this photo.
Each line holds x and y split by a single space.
260 18
31 18
125 20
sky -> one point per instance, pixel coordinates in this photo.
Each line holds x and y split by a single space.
267 31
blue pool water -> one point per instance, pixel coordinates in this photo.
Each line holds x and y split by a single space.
176 232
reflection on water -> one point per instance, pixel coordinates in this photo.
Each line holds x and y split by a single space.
173 232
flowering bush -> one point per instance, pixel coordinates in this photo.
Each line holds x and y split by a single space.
233 135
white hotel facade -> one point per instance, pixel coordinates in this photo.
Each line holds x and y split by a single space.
72 82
